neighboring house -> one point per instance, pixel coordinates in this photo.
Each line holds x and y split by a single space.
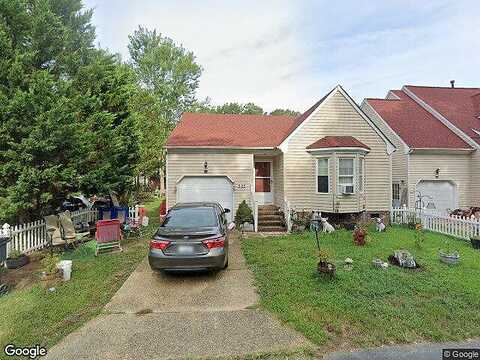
437 133
332 159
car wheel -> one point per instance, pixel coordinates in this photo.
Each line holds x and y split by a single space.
226 265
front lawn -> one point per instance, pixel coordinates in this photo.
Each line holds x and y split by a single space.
36 316
368 306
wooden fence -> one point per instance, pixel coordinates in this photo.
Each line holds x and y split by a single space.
456 226
33 236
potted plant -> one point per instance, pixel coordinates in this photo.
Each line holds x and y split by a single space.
243 215
16 259
448 255
50 269
475 240
325 267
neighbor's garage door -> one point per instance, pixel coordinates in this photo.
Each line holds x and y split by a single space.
207 188
444 194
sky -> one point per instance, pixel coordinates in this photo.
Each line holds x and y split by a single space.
288 54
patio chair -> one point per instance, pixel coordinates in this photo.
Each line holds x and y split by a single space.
53 230
108 235
67 229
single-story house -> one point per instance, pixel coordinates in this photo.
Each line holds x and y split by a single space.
332 159
437 133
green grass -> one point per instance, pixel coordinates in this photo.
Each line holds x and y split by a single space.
36 316
368 306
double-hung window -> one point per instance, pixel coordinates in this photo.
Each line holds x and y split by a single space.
346 175
323 182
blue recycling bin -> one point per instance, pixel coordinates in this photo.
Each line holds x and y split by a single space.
3 247
116 212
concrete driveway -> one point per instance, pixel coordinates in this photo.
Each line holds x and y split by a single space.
156 316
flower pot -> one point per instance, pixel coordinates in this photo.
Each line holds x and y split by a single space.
326 268
450 259
17 262
475 242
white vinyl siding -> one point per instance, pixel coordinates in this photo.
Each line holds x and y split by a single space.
453 167
336 117
238 166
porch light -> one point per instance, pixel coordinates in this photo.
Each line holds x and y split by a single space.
205 167
437 173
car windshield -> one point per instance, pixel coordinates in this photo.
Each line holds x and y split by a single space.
184 218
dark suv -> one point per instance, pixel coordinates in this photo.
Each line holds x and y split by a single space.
192 236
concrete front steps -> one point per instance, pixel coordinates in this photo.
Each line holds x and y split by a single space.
270 219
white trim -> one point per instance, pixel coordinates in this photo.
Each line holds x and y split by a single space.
392 96
284 145
264 199
204 175
328 174
407 148
441 151
363 182
340 149
390 146
353 176
441 118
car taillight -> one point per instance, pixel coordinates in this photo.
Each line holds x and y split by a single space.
214 243
159 244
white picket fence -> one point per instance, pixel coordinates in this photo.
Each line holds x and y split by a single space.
456 226
33 236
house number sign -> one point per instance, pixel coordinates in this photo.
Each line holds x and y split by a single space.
240 187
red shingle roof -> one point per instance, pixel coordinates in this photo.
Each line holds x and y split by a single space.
458 105
415 126
219 130
233 130
337 141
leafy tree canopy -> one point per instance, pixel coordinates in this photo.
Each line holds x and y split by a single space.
286 112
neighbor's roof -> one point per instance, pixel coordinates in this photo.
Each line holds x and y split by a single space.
220 130
414 125
233 130
337 142
459 105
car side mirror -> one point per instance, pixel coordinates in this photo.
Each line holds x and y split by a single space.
226 211
231 226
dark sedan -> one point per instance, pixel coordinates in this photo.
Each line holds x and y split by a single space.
192 236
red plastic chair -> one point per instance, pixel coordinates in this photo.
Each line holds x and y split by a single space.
108 235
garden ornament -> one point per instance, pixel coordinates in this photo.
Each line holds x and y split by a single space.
327 227
380 225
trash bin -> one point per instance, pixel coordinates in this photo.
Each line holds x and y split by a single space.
3 247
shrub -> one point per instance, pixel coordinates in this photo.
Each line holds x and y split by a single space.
49 263
244 214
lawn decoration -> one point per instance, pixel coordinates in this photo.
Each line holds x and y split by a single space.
380 225
348 264
327 227
324 267
448 255
403 258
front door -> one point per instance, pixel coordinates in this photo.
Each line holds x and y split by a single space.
263 182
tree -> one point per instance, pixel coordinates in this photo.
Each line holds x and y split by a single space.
169 78
286 112
227 108
65 124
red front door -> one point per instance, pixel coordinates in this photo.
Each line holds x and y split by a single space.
262 177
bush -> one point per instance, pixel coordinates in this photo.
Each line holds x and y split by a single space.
49 263
15 254
244 214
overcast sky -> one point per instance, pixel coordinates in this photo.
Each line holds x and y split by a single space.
280 53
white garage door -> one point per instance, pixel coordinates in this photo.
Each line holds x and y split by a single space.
207 188
443 193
